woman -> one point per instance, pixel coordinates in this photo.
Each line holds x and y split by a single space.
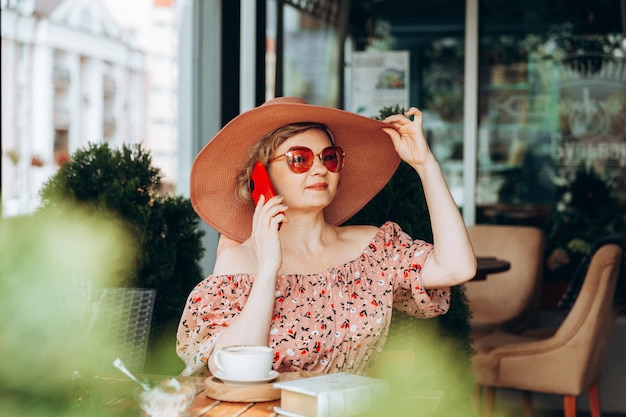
320 294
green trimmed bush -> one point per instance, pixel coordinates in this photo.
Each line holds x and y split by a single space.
122 185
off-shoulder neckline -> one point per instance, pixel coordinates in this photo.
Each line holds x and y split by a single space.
332 269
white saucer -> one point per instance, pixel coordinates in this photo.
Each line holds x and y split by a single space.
221 376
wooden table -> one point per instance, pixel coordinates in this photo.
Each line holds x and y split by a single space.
486 265
113 395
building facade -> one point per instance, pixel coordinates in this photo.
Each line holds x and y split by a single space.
76 72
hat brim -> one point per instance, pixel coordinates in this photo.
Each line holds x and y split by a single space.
371 161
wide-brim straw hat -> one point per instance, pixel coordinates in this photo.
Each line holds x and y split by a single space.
370 162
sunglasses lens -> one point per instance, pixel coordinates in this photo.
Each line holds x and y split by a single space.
300 159
332 158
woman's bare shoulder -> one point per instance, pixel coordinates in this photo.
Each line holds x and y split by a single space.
235 260
357 236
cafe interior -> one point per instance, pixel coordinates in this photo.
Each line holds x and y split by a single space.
524 107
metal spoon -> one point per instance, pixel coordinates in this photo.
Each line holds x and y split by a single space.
146 385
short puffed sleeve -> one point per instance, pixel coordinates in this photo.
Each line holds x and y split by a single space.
406 258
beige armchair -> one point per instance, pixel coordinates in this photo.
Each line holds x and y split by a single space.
509 300
567 361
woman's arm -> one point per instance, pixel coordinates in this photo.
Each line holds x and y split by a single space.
252 324
453 261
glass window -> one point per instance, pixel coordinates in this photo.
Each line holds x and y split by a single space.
310 60
435 42
551 140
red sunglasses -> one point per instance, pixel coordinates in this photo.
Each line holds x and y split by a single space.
300 159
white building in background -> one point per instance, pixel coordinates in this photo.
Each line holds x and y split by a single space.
153 25
73 74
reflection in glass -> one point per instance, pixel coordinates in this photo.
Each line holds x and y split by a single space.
311 58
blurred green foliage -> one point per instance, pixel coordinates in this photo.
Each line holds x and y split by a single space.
49 267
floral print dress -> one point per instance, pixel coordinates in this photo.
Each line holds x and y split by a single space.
331 321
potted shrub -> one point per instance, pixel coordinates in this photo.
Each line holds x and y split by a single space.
121 184
587 210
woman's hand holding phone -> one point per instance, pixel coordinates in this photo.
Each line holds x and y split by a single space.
261 185
264 227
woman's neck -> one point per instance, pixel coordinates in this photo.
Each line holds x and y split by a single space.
307 235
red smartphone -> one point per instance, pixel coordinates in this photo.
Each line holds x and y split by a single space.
260 183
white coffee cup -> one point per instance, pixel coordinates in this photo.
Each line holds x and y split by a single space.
245 362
